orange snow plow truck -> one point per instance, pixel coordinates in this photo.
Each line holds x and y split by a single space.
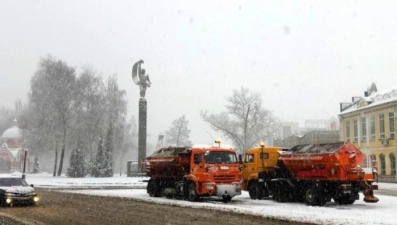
311 173
191 173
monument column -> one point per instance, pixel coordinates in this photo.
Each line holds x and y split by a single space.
142 80
142 131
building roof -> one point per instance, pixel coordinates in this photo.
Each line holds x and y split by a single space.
12 132
374 99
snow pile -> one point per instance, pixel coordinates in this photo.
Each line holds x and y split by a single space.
48 181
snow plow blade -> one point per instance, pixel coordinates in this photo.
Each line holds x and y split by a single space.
369 195
371 199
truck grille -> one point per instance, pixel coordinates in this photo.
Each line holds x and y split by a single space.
223 178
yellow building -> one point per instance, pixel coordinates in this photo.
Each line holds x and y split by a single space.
369 123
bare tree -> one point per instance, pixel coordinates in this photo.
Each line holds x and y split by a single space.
178 134
245 121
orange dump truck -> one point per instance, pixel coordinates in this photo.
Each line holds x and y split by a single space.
315 174
191 173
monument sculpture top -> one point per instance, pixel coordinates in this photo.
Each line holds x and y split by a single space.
140 78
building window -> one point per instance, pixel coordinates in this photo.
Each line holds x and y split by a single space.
355 131
373 161
392 164
372 127
382 164
391 125
347 131
381 126
363 129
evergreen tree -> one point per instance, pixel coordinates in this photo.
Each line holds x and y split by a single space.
97 162
36 165
91 170
77 163
108 153
72 164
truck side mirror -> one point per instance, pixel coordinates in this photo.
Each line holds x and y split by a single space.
240 159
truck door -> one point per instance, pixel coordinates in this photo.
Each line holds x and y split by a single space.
263 161
248 166
197 168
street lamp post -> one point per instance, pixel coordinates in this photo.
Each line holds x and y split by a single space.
24 164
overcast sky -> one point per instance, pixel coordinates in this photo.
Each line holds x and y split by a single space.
304 57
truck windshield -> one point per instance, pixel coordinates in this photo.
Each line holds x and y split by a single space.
219 157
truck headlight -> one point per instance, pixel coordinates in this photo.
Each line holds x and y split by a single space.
209 186
36 199
8 200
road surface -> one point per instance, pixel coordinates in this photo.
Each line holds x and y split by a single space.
61 208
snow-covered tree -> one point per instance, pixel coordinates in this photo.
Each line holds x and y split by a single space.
108 153
51 101
64 107
36 165
97 162
178 134
77 167
90 110
245 121
116 105
90 165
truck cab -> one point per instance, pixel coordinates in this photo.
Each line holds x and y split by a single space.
194 172
256 160
214 172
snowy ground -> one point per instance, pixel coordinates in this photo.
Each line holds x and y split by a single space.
360 213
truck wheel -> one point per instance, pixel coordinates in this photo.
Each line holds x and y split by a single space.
192 194
280 196
252 190
311 197
151 188
265 193
322 198
260 192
